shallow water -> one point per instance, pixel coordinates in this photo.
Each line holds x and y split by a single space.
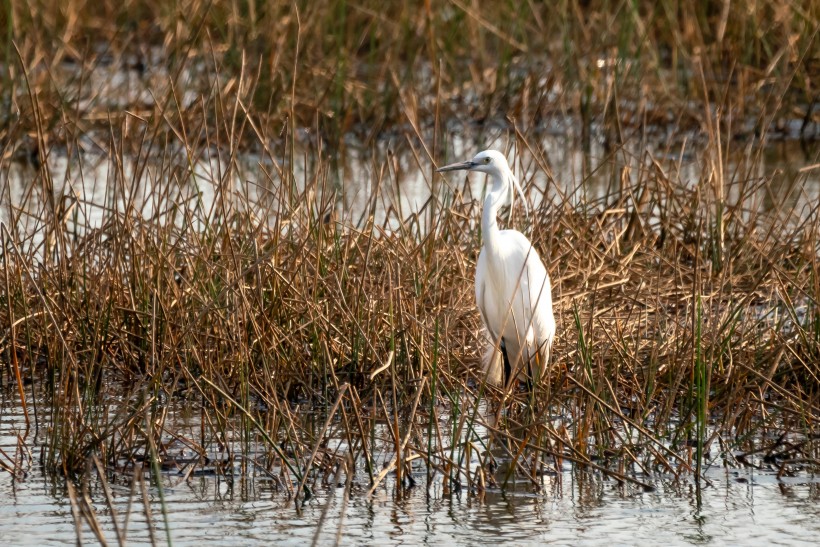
741 505
388 181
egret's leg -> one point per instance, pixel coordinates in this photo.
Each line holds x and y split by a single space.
507 365
530 378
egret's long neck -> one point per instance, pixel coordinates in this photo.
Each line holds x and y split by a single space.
496 198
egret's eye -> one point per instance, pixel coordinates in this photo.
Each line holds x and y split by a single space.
487 160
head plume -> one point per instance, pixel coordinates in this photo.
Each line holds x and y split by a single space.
514 186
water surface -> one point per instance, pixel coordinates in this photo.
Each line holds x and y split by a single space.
741 505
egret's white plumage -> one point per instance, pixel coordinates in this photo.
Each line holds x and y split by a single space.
512 287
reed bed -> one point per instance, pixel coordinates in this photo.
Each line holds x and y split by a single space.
343 66
306 345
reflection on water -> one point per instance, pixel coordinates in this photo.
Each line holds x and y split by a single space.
388 180
573 507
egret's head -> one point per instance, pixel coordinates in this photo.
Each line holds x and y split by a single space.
493 163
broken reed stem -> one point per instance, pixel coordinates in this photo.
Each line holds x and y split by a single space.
320 437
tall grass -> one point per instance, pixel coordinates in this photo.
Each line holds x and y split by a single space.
249 310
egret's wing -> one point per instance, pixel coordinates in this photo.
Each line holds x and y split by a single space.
527 284
541 318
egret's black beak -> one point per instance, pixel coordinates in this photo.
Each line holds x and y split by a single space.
460 166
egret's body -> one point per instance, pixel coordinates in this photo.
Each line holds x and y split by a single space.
512 287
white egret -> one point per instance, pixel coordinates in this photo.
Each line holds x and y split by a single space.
512 287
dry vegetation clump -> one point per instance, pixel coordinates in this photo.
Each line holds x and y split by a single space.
683 319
